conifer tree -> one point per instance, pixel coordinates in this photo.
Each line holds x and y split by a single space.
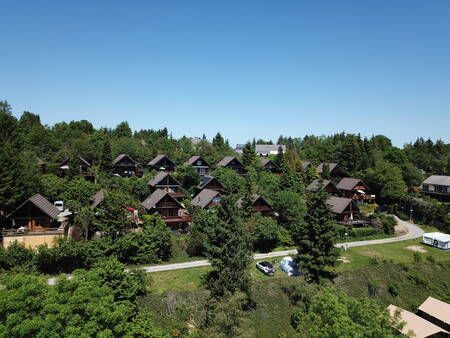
248 155
316 238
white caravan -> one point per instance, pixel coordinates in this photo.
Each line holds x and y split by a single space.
437 239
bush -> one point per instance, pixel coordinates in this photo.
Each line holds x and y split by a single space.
266 234
363 232
374 288
394 289
417 257
17 255
431 259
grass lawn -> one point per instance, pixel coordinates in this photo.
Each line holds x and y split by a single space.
395 252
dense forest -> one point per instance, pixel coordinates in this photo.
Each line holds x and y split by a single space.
227 236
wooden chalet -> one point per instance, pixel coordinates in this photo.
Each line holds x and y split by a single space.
355 189
81 163
211 183
162 163
125 166
206 198
34 222
199 164
345 209
328 186
233 163
336 172
170 209
259 204
165 181
437 187
271 166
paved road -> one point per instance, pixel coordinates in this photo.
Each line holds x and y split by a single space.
413 232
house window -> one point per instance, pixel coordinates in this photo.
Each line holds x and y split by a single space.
216 199
431 188
199 162
448 190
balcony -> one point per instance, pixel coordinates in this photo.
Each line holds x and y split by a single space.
37 232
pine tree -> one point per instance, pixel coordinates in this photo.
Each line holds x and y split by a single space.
228 249
106 160
248 155
315 239
326 171
279 157
218 142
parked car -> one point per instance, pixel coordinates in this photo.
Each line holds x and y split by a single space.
289 266
266 268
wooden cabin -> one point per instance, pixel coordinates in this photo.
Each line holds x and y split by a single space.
233 163
34 222
199 164
211 183
345 209
259 204
170 209
125 166
437 187
355 189
336 172
162 163
271 166
206 198
82 164
165 181
328 186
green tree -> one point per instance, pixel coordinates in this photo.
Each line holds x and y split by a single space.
248 155
228 249
123 130
291 208
187 176
316 237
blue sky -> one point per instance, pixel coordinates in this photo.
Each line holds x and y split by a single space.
245 68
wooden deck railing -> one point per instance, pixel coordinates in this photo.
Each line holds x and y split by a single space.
25 232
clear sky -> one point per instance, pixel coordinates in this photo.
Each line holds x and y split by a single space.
245 68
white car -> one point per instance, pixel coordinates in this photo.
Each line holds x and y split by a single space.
266 268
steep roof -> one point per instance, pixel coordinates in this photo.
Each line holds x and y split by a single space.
156 197
437 309
438 180
204 197
82 160
420 327
339 204
40 202
121 157
159 177
206 179
331 165
255 197
226 160
158 158
98 198
349 184
194 159
314 185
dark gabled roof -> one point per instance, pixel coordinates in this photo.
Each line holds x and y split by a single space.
331 165
156 197
266 161
226 160
121 157
82 160
204 197
306 164
194 159
339 204
98 198
348 184
438 180
158 158
254 199
159 177
206 179
314 185
40 202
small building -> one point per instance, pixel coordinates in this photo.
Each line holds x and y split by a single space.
336 172
437 187
82 164
345 209
199 164
165 181
206 198
233 163
211 183
270 165
162 163
437 239
413 324
239 148
34 222
259 204
328 186
355 189
436 312
170 209
268 149
125 166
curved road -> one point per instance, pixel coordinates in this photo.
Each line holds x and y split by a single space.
413 232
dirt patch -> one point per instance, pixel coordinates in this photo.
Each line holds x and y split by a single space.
416 248
344 259
400 230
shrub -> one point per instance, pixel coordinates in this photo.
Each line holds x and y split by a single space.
431 259
18 255
394 289
266 234
417 257
363 232
373 288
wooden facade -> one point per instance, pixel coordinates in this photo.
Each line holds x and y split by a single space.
125 166
162 163
199 164
233 163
